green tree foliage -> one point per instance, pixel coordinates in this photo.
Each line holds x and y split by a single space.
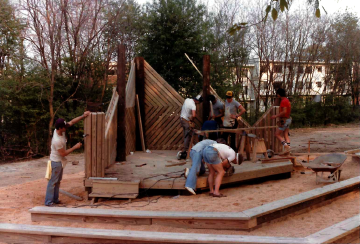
342 52
331 110
172 28
10 30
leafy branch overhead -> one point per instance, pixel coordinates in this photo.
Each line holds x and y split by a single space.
274 7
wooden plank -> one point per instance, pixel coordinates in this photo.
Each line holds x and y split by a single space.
242 173
93 144
140 90
158 78
236 130
115 189
346 231
88 145
138 214
39 217
277 209
99 141
206 87
82 235
103 145
140 124
121 108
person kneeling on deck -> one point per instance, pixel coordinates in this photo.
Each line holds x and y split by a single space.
187 116
215 156
282 132
57 157
197 167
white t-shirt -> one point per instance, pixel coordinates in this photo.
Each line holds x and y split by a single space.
187 108
225 152
57 143
230 108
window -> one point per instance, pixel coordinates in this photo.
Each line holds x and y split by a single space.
308 70
263 68
277 68
300 69
318 84
319 69
245 90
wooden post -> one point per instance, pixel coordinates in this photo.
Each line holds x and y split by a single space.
121 108
206 86
140 91
87 145
140 124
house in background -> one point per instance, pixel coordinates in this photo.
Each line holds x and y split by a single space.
307 79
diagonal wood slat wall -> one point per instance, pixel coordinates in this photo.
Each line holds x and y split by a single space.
162 113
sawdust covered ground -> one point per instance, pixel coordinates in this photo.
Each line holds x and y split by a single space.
23 187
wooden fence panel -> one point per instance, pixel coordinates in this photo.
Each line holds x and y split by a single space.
162 113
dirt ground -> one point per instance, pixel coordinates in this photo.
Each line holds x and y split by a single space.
23 187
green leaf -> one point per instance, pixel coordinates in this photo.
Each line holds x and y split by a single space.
317 13
282 5
274 14
268 8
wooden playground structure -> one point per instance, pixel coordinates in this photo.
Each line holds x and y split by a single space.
132 148
144 116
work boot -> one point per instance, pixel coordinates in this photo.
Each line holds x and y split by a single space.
178 155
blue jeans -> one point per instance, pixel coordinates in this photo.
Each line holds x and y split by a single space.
52 190
196 167
211 155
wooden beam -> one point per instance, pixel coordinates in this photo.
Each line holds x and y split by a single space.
87 145
347 231
140 90
141 132
93 144
234 130
14 233
121 108
206 86
277 209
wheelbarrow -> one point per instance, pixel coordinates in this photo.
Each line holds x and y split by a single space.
327 163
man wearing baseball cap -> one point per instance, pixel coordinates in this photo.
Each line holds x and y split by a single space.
187 117
231 116
57 157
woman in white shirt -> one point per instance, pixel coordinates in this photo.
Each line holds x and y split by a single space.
215 156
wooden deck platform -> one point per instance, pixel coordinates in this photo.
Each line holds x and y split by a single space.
161 170
244 220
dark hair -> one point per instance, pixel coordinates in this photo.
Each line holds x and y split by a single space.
221 140
211 98
281 92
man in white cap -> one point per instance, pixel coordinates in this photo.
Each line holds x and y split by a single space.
57 157
187 117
